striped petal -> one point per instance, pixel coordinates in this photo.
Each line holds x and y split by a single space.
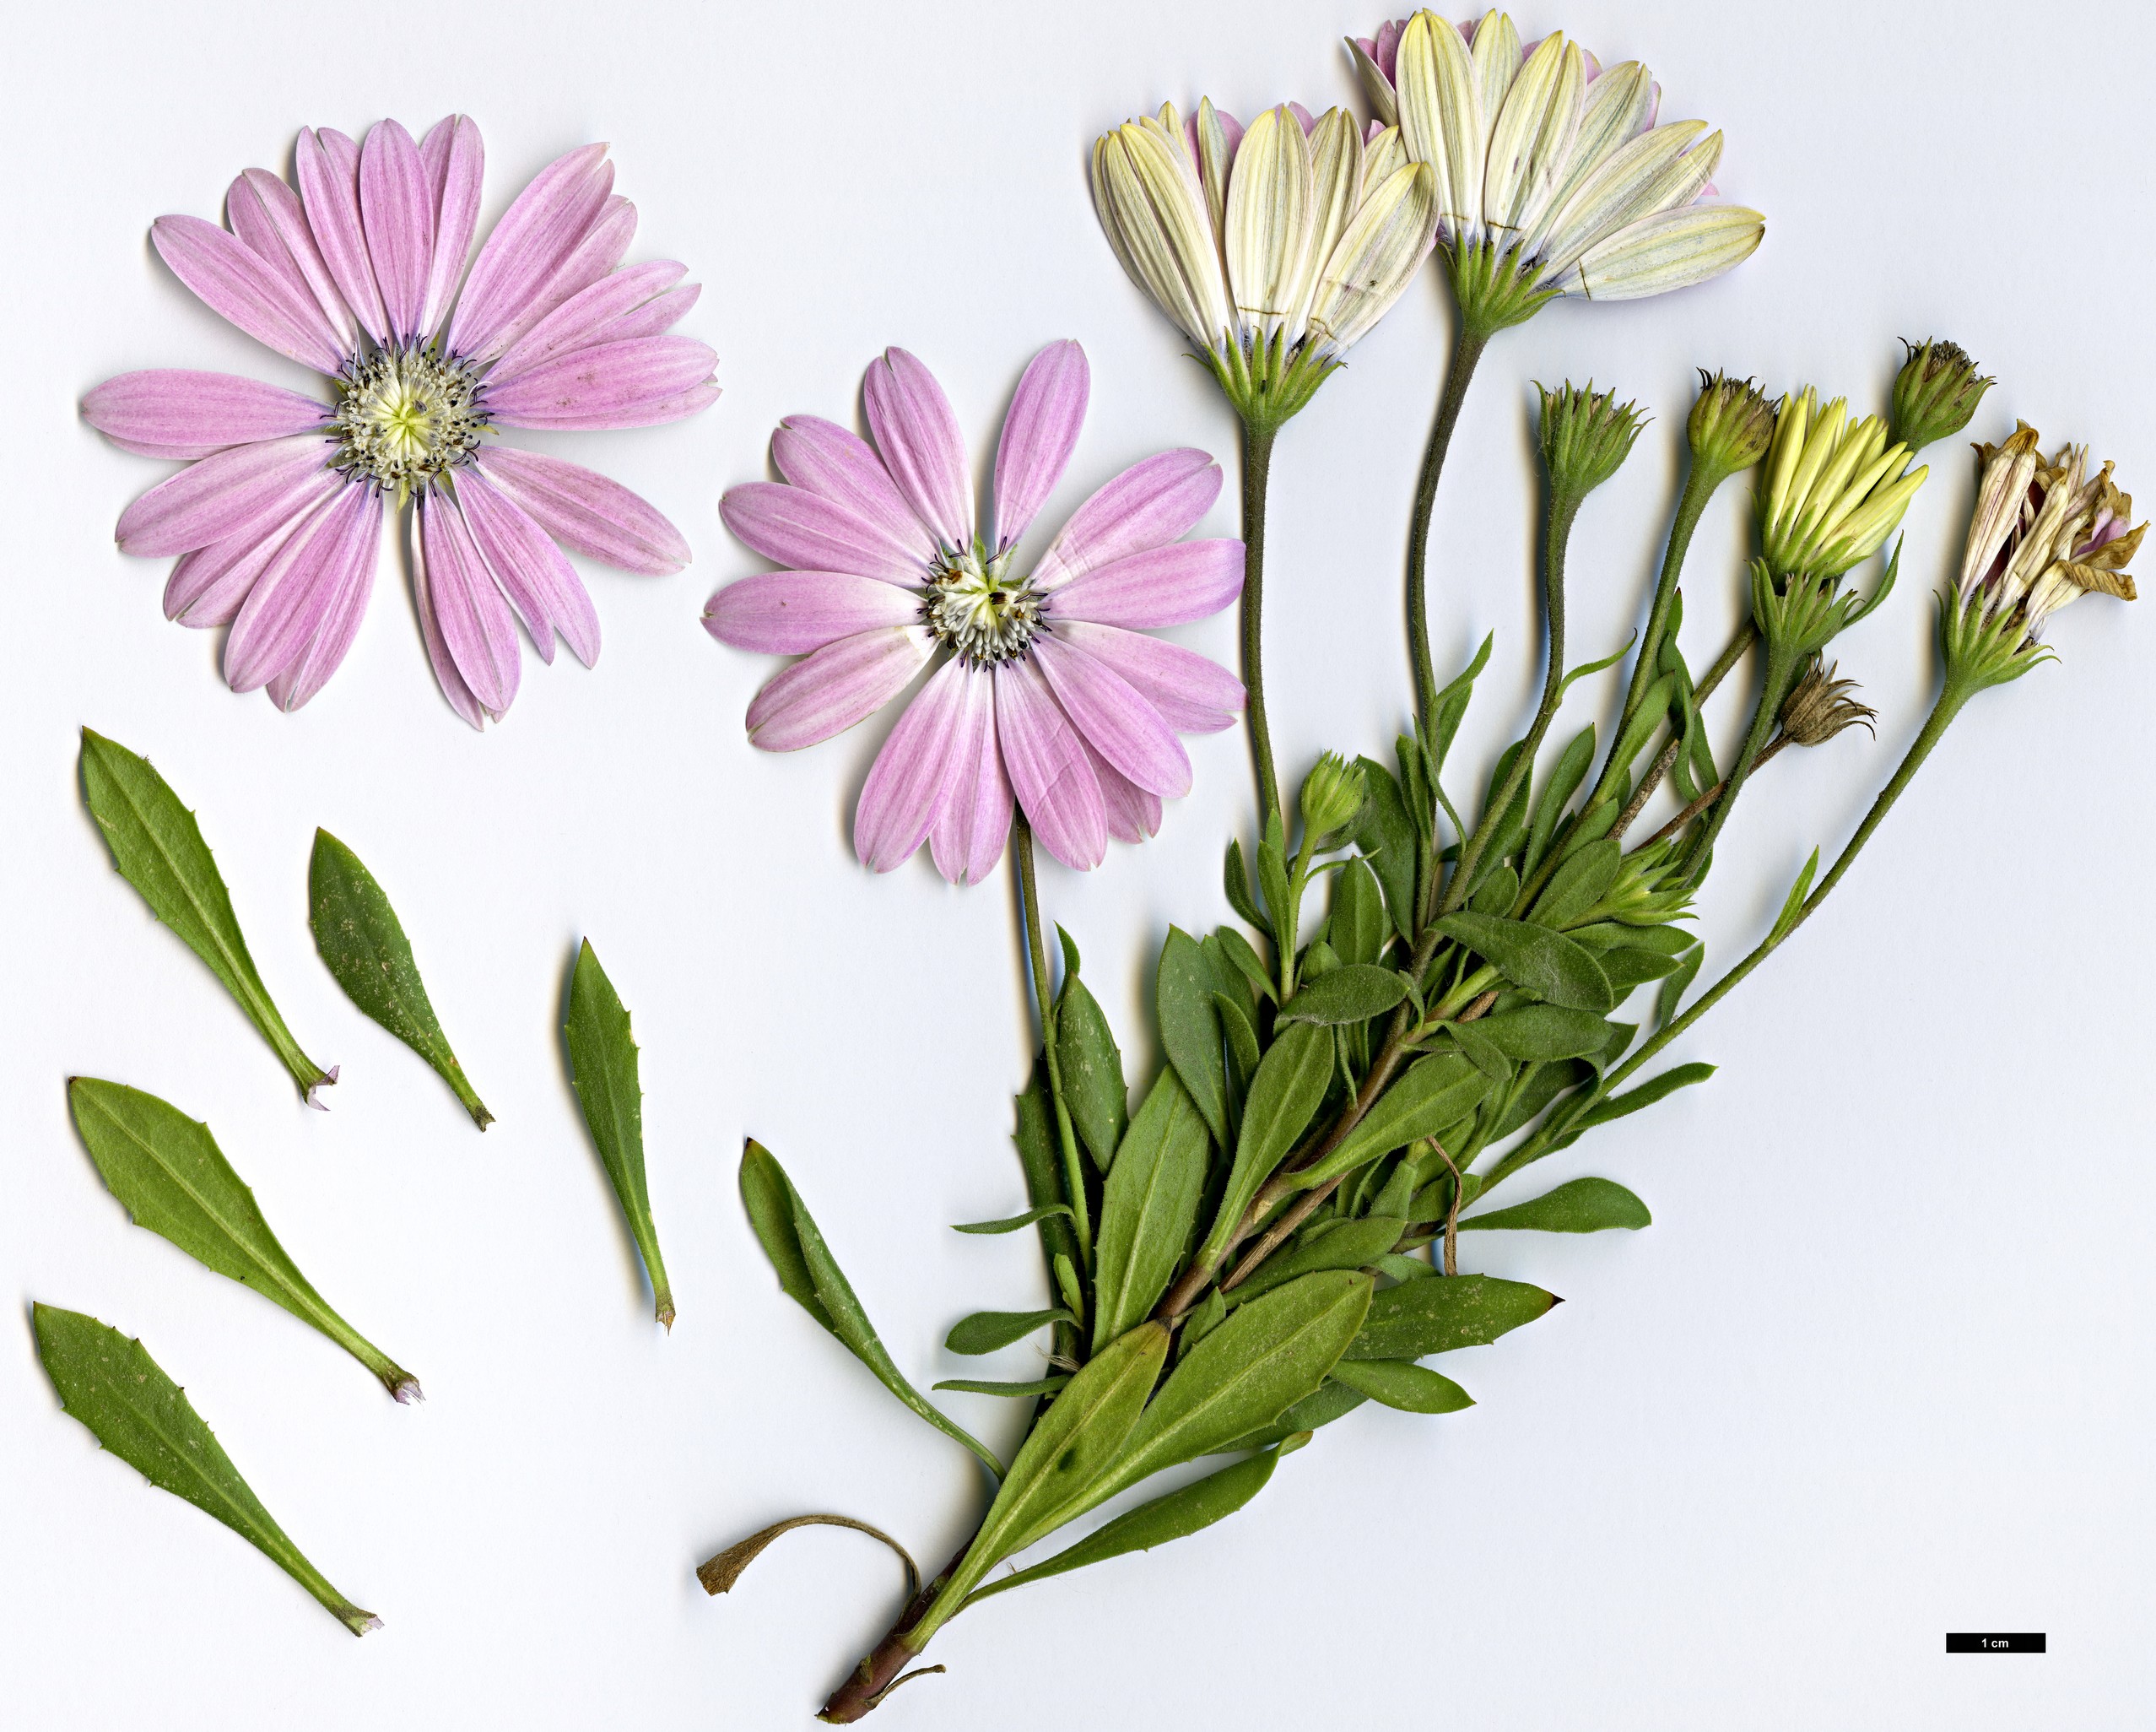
587 513
919 438
794 527
1193 693
477 631
293 596
1149 504
267 215
1271 197
1672 250
168 412
535 234
1164 585
587 317
912 778
968 837
343 608
838 465
396 211
235 282
639 383
454 159
208 586
329 165
843 683
1039 434
540 585
1051 772
792 613
230 493
1116 722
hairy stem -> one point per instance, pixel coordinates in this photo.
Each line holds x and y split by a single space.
1781 672
1045 1001
1467 350
1257 473
1747 635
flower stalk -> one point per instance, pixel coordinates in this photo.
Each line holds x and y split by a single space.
1044 1003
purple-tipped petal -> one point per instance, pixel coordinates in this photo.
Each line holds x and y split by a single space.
477 627
233 281
168 412
1116 721
919 438
228 493
838 465
396 211
535 234
1169 585
1049 768
634 384
454 159
329 165
912 780
968 838
208 586
1039 435
1193 693
265 214
585 319
1149 504
1133 815
791 613
345 606
794 527
292 599
587 513
841 684
540 585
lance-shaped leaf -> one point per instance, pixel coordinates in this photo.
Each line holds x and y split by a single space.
1348 1244
1148 1207
1333 1401
990 1331
1177 1516
602 1067
1420 1318
1352 993
363 944
1399 1383
1014 1223
1546 963
1092 1069
1652 1089
1190 1028
1435 1092
1284 1095
1581 1205
159 848
812 1280
171 1176
1358 925
112 1385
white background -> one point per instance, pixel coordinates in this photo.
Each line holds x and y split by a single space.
1880 1369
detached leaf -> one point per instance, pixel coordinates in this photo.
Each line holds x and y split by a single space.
172 1178
988 1331
362 942
1014 1223
1284 1096
603 1064
1092 1072
1190 1028
1581 1205
113 1386
719 1574
1147 1208
1177 1516
974 1386
1402 1383
811 1279
1545 963
159 848
1421 1318
1352 993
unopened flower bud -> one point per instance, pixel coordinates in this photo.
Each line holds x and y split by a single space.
1820 706
1334 793
1835 488
1935 393
1732 424
1587 435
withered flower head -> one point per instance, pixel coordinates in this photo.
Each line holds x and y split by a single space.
1820 706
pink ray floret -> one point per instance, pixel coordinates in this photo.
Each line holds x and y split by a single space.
361 274
1049 693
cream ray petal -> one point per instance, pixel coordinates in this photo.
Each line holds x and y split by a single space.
1623 189
1495 57
1336 171
1377 88
1518 152
1614 109
1674 249
1385 246
1269 210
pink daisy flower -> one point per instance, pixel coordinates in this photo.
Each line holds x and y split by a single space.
278 515
1048 691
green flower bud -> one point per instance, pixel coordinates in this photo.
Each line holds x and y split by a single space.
1935 393
1334 793
1732 424
1585 436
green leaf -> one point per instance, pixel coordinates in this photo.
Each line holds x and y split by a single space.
1092 1072
1792 908
1509 828
1563 781
1176 1516
1358 923
1545 963
1389 843
1543 1083
159 848
113 1386
1402 1383
1280 901
1237 950
972 1386
1267 1356
1654 705
603 1066
1496 891
811 1277
1607 936
1629 968
1543 1033
1652 1089
1452 704
989 1331
1236 879
1070 957
362 942
1351 1244
1353 993
172 1178
1285 1094
1420 1318
1147 1208
1581 1205
1674 988
1068 1284
1190 1028
1242 1042
1434 1091
1578 883
1040 1161
1014 1223
1205 1317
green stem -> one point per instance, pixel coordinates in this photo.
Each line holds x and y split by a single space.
1045 1001
1257 473
1563 507
1747 635
1467 350
1781 670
